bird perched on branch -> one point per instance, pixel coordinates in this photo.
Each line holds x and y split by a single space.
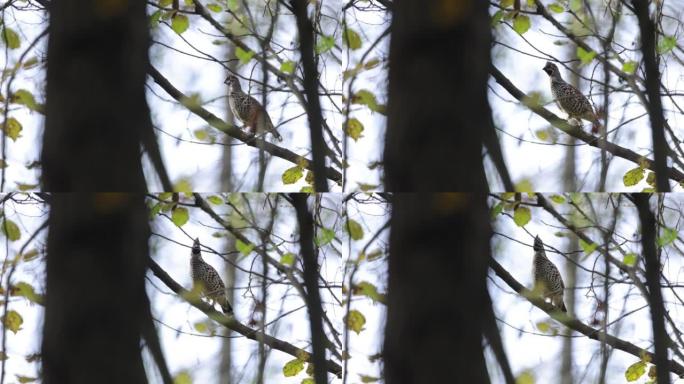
547 279
248 110
209 281
569 99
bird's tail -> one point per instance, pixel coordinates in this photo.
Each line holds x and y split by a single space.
225 306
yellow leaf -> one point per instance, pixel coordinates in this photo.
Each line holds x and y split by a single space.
13 320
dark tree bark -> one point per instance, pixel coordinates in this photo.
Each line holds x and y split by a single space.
313 104
655 106
655 296
313 296
437 293
438 113
95 305
96 113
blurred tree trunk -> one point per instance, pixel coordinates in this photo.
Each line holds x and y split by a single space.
96 112
569 183
97 251
438 113
226 183
439 254
95 303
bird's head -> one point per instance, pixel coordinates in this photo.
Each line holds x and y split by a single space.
538 244
551 70
196 247
233 83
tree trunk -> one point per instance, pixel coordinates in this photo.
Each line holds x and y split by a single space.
438 113
96 111
95 302
439 254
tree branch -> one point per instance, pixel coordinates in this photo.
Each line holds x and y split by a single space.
232 324
577 325
577 132
235 132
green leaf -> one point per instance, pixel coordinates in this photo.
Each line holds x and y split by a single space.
630 259
575 5
635 371
324 44
368 379
524 185
287 66
629 67
666 44
25 379
200 326
22 289
23 187
183 185
164 3
11 38
369 290
354 229
30 255
526 377
13 320
11 230
588 248
351 39
25 97
585 56
307 189
325 236
366 97
355 321
179 23
521 216
308 380
215 200
496 210
244 56
506 3
667 236
12 128
496 18
180 216
521 23
651 179
354 128
557 8
155 18
293 367
182 377
245 249
543 326
558 199
292 175
288 259
633 176
214 7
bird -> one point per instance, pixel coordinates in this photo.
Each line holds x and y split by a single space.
248 110
569 99
547 279
209 281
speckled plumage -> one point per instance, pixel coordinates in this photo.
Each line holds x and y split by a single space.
204 274
547 279
248 110
569 99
